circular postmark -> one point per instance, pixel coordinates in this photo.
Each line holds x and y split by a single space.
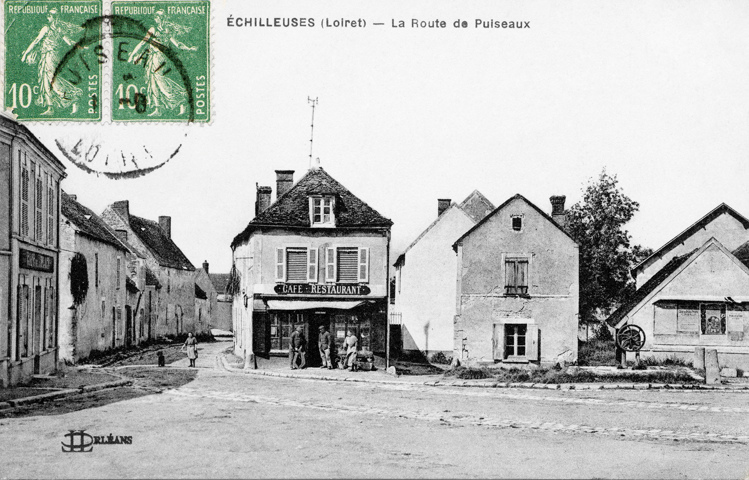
151 84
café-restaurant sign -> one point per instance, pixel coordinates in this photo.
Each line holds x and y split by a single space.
313 289
36 261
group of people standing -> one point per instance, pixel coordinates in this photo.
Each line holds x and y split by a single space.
325 344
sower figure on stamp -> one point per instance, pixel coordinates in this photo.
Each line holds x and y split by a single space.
324 344
297 348
350 344
161 91
53 91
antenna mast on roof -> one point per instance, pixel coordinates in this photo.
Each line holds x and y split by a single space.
313 102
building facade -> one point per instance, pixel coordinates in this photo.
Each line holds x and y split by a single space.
518 287
425 286
90 252
221 318
206 299
317 256
694 292
30 178
168 272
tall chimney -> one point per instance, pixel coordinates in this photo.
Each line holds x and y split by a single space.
205 266
262 200
284 180
166 225
442 205
122 207
557 209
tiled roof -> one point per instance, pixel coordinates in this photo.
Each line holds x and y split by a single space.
200 293
292 209
219 281
152 279
87 222
648 288
477 206
698 225
167 253
130 285
742 253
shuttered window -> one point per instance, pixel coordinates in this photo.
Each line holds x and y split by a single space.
24 199
348 265
50 211
296 265
516 276
39 217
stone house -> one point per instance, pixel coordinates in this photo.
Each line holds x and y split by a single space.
316 256
518 287
694 292
100 321
172 312
425 287
30 178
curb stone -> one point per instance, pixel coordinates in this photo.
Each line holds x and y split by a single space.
17 402
465 384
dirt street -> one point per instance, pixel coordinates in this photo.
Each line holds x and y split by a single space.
226 424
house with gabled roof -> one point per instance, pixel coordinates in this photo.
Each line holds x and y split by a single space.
317 256
173 308
425 288
517 287
91 253
694 292
221 317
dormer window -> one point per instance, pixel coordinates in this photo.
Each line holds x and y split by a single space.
322 211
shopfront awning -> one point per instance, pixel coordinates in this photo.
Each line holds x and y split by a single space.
704 298
313 305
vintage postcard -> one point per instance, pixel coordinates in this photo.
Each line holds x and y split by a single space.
374 239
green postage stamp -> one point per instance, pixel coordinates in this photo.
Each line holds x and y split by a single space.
161 61
155 55
49 75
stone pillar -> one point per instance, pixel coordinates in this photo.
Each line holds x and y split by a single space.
699 358
712 369
250 362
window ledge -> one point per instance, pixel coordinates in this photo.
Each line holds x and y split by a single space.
516 360
520 295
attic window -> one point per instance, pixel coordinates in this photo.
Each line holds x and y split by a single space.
517 223
321 211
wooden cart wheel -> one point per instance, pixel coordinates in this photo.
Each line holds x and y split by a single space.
630 338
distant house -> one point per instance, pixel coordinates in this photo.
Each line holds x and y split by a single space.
694 291
518 287
167 266
99 321
317 256
206 299
221 318
425 287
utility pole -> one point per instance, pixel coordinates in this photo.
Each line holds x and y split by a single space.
313 102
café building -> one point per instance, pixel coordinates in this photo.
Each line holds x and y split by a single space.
316 256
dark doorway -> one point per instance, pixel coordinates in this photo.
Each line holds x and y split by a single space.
313 328
128 326
114 327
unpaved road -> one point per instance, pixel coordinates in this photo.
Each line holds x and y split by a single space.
225 424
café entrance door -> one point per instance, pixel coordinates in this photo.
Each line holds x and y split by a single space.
315 320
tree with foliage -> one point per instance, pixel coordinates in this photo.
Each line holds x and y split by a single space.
606 253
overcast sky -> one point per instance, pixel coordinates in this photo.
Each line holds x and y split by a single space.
655 92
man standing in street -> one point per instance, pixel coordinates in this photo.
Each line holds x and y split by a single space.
297 348
324 344
351 350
